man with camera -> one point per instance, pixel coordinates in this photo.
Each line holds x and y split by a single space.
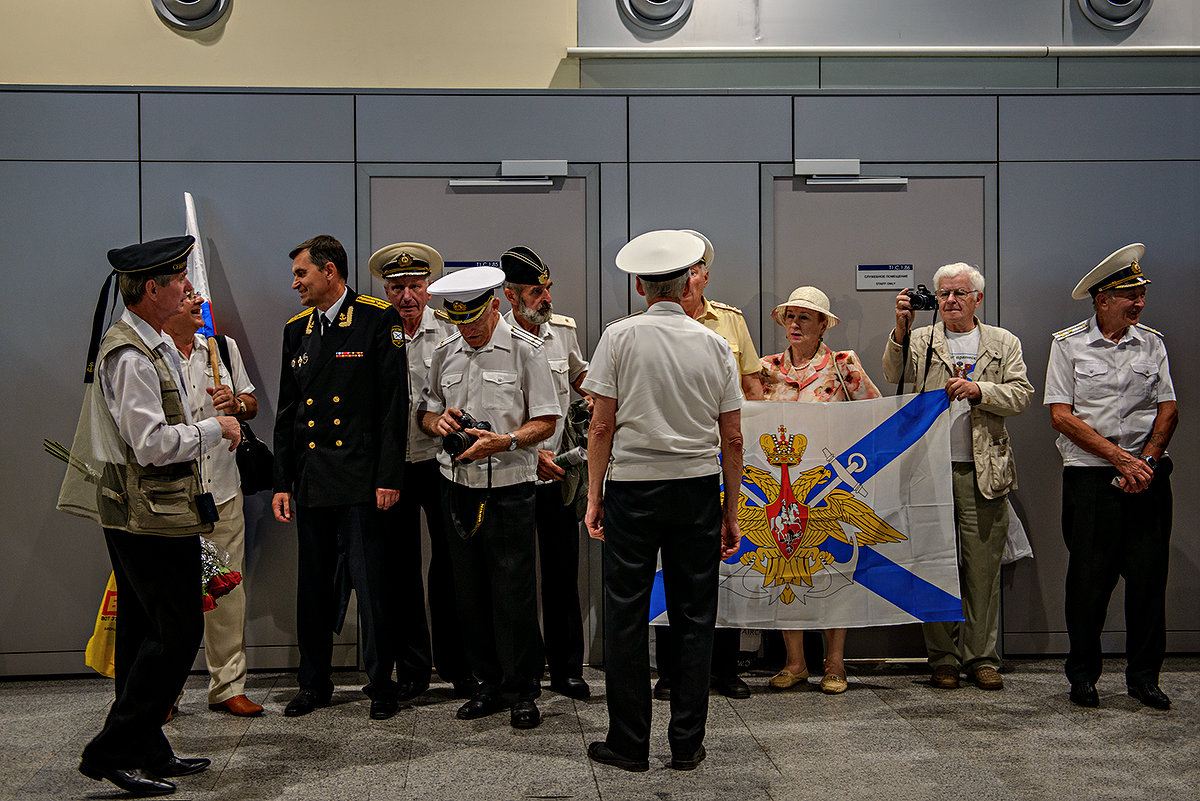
982 369
527 287
340 432
231 393
1111 398
668 416
490 396
406 268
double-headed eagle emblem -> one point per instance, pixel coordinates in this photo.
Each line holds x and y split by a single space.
790 534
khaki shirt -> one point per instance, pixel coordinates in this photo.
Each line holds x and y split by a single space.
671 379
566 363
420 345
728 321
506 382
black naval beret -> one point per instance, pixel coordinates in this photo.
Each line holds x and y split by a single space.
156 257
522 266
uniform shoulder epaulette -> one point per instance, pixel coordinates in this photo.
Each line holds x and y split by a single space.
301 315
725 306
1155 331
563 320
1078 328
626 317
520 333
449 339
372 301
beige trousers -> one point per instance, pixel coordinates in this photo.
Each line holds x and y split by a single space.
224 627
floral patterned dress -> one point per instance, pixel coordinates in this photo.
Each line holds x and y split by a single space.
817 379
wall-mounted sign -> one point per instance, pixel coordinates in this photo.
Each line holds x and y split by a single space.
459 265
885 276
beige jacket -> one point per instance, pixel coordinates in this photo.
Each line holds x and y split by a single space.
1000 374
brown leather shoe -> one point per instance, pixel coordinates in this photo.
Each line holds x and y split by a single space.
238 705
945 677
988 678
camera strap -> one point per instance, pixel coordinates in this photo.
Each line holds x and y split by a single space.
904 346
477 513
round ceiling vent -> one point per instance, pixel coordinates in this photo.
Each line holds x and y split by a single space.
1115 15
190 15
655 15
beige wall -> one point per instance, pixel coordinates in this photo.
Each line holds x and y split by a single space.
442 44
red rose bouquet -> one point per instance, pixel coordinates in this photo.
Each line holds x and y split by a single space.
216 577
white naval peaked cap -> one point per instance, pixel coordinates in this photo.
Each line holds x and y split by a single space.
1119 270
658 254
709 253
466 293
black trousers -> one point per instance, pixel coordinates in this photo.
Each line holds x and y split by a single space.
494 573
558 547
351 538
727 643
159 627
682 518
1113 534
404 602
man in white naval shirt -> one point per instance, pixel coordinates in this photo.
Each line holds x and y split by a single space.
1109 389
224 626
667 406
527 287
499 375
146 495
406 268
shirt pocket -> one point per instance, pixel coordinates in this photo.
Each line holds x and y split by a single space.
562 384
453 390
500 390
1091 379
1143 379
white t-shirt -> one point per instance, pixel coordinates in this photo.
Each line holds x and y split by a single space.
964 349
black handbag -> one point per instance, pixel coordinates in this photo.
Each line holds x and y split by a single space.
254 460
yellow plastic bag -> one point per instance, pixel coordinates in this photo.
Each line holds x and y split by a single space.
102 647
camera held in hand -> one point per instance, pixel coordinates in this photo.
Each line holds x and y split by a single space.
457 442
921 299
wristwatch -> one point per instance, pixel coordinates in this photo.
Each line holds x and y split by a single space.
512 446
1149 460
241 406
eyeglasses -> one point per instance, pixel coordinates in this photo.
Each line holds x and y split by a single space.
959 294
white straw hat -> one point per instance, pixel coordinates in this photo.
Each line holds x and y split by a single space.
806 297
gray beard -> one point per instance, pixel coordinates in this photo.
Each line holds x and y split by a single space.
534 316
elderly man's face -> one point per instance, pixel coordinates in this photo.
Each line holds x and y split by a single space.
533 303
693 293
314 283
408 294
957 302
479 332
1120 308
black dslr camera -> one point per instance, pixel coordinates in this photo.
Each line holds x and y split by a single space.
921 299
457 442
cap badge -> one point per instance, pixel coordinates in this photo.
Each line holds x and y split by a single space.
458 306
404 260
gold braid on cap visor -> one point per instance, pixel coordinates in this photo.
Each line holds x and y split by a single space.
1131 273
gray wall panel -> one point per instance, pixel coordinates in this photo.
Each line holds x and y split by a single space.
944 73
1059 220
251 127
490 128
68 126
896 128
614 233
721 202
709 129
1099 127
250 216
699 73
58 220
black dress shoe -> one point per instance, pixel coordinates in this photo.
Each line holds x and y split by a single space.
1083 693
600 752
571 687
176 766
304 702
465 688
662 689
408 690
136 782
1150 695
480 706
688 762
525 715
731 686
383 708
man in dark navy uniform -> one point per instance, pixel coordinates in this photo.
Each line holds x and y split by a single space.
339 456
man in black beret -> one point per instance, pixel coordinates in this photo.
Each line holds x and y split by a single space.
141 444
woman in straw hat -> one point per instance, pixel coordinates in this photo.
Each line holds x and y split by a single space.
812 372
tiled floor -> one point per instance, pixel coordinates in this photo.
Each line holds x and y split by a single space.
889 737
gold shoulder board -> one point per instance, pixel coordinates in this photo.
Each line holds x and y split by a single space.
725 306
1154 331
1075 329
373 301
563 320
301 315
